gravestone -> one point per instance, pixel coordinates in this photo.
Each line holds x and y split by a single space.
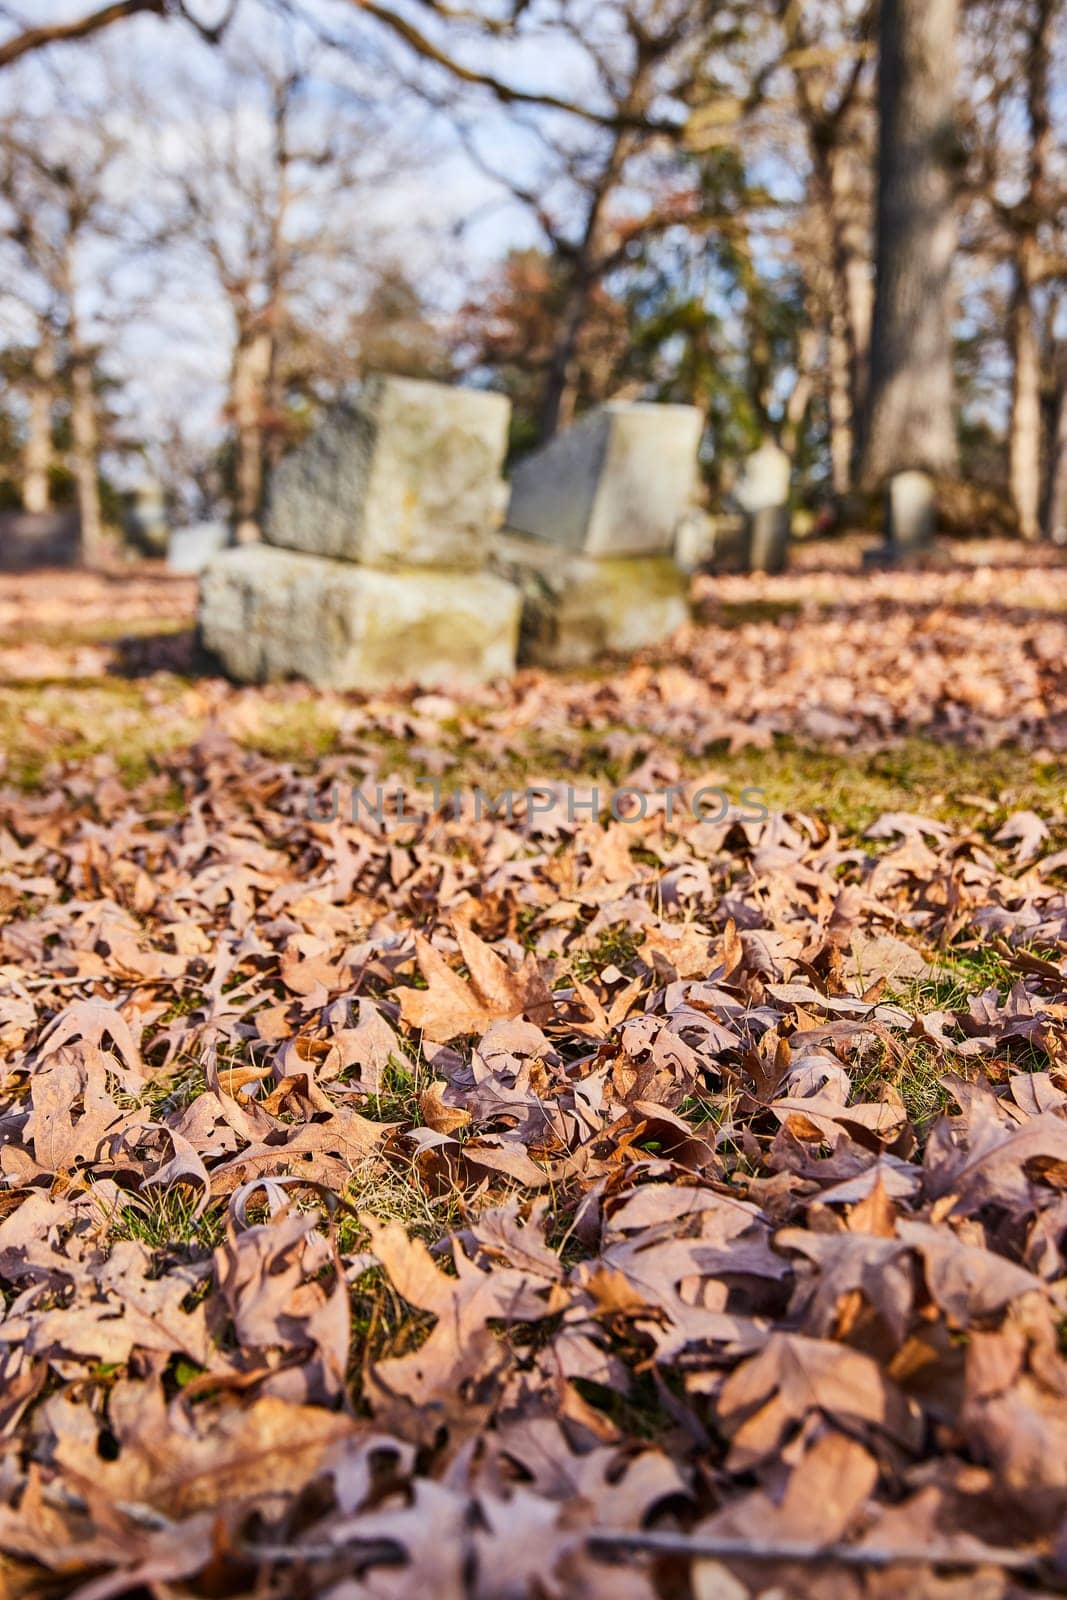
910 523
31 539
408 476
615 484
591 530
386 511
576 608
146 518
191 549
911 510
762 492
270 614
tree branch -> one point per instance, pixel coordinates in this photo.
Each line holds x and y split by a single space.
946 1554
506 93
32 39
62 32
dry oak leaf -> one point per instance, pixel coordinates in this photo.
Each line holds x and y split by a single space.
792 1377
436 1114
450 1006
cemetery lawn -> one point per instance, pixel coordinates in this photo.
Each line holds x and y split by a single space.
683 1194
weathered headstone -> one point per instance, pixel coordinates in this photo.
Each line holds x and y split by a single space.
911 510
379 528
269 614
764 479
615 484
191 549
38 539
910 522
408 476
591 531
576 608
762 491
146 518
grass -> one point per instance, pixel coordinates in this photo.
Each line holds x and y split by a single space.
139 723
50 723
102 630
163 1219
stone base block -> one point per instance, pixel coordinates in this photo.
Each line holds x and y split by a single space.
269 614
576 608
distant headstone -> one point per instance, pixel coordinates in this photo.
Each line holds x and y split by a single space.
615 484
769 530
764 480
576 608
410 476
270 614
31 539
762 492
191 549
146 519
911 510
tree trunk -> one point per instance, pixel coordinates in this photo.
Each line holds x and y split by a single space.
851 267
842 417
796 410
86 450
1025 438
1054 520
252 361
36 488
561 379
848 341
1026 422
911 420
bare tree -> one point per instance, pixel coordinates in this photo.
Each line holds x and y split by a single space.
830 53
37 458
267 200
27 41
54 200
620 173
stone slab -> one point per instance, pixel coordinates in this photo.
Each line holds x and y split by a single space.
410 475
271 614
577 608
615 484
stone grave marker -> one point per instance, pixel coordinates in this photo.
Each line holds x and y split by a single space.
762 491
591 529
379 530
615 484
409 476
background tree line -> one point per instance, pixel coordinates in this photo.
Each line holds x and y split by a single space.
835 222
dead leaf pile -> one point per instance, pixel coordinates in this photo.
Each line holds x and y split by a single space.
475 1205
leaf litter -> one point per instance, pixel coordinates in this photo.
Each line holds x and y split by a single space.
487 1205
